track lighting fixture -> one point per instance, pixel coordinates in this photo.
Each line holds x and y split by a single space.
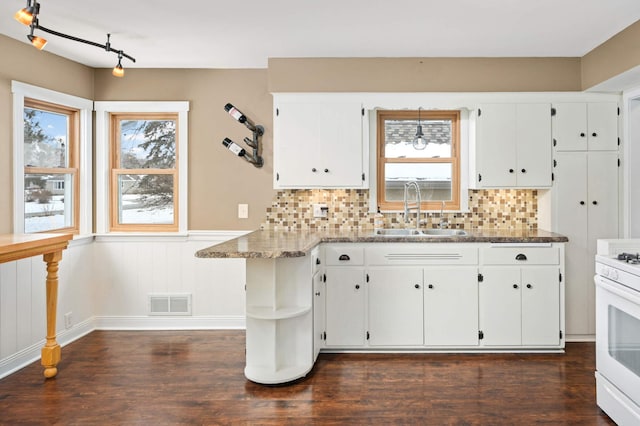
29 16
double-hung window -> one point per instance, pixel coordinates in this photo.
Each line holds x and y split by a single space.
52 167
141 166
144 172
433 163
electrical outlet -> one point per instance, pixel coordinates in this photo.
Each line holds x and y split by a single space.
320 210
68 320
243 211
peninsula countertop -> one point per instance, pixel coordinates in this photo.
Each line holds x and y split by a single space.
278 244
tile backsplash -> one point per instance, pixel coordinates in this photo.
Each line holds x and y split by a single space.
505 209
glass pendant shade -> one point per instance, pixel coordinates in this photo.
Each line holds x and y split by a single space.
24 16
419 142
38 42
118 71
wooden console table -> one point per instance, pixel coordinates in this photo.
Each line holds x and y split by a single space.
50 246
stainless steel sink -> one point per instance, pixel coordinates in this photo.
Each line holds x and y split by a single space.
398 232
420 233
444 232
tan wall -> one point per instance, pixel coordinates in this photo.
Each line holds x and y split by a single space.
218 180
26 64
618 54
424 74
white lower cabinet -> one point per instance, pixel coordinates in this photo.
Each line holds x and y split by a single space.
395 307
521 306
451 306
541 306
500 306
345 309
400 296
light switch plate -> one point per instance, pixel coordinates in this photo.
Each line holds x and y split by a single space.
320 210
243 211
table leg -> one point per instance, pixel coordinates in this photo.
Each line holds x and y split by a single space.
51 349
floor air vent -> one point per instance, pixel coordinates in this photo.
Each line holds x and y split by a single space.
170 304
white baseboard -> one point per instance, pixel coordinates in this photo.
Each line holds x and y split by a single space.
235 322
28 355
580 338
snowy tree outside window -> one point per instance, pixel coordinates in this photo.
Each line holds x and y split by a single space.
50 167
144 171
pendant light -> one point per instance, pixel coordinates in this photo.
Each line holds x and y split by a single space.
419 142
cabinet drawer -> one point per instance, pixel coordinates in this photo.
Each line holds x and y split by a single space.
422 254
344 255
520 256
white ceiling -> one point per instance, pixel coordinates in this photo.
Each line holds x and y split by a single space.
244 34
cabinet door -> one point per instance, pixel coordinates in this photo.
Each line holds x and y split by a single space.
571 198
318 144
496 148
341 158
580 126
297 130
570 126
602 122
571 205
395 307
318 314
345 307
602 183
540 306
533 135
451 306
500 312
602 217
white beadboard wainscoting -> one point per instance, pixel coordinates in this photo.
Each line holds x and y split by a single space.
105 283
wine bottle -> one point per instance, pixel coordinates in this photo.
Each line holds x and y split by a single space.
234 147
235 113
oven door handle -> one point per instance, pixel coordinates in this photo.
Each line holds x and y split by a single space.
617 289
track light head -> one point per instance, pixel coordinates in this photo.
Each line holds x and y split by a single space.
26 15
118 71
38 42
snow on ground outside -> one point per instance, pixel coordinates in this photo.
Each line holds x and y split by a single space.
146 215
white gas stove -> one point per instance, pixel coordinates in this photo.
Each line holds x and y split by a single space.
618 329
624 268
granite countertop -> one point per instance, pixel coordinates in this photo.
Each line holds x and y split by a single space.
276 244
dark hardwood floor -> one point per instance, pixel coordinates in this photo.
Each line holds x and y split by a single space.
196 377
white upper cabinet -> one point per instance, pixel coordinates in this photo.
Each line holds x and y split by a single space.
318 143
580 126
512 146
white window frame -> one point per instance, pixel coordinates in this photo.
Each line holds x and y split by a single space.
85 106
103 154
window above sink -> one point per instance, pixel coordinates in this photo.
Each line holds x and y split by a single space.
434 164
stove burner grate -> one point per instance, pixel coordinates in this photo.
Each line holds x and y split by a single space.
629 257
